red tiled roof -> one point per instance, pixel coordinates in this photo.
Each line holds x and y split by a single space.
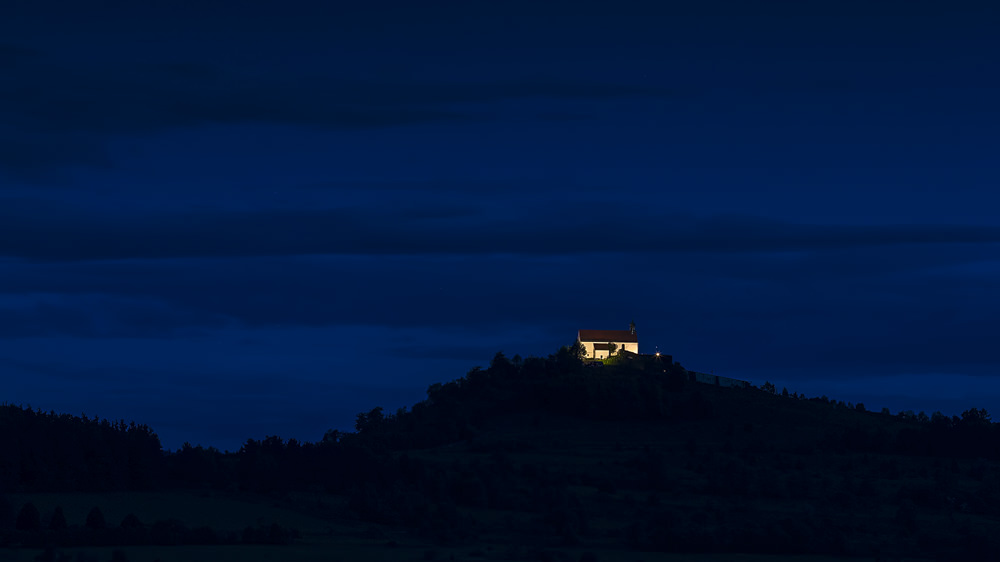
605 336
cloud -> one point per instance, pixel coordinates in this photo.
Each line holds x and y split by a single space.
98 315
312 291
36 159
33 229
160 100
55 99
56 102
57 368
11 54
703 297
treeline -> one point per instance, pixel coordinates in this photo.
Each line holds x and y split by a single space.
642 389
969 436
29 528
60 452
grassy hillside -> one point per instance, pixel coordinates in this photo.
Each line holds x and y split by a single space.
549 459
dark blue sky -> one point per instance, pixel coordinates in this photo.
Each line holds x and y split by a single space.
245 219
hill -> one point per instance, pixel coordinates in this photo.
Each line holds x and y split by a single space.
548 458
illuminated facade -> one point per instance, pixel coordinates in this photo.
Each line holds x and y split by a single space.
598 343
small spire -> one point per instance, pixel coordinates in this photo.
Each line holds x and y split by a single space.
631 327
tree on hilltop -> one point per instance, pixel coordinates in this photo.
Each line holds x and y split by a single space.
976 416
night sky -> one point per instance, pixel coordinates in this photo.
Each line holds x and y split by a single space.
246 219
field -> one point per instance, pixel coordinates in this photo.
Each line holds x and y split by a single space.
327 533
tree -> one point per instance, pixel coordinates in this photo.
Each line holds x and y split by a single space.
95 520
131 522
372 421
28 519
577 349
612 348
499 361
501 368
768 387
567 359
58 520
974 417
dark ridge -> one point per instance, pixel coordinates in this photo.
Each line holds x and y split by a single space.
632 454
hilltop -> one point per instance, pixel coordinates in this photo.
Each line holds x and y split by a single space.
549 458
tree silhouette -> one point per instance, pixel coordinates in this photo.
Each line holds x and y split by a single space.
29 519
131 522
95 519
58 520
372 421
975 417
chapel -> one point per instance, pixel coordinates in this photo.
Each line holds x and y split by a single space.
600 343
